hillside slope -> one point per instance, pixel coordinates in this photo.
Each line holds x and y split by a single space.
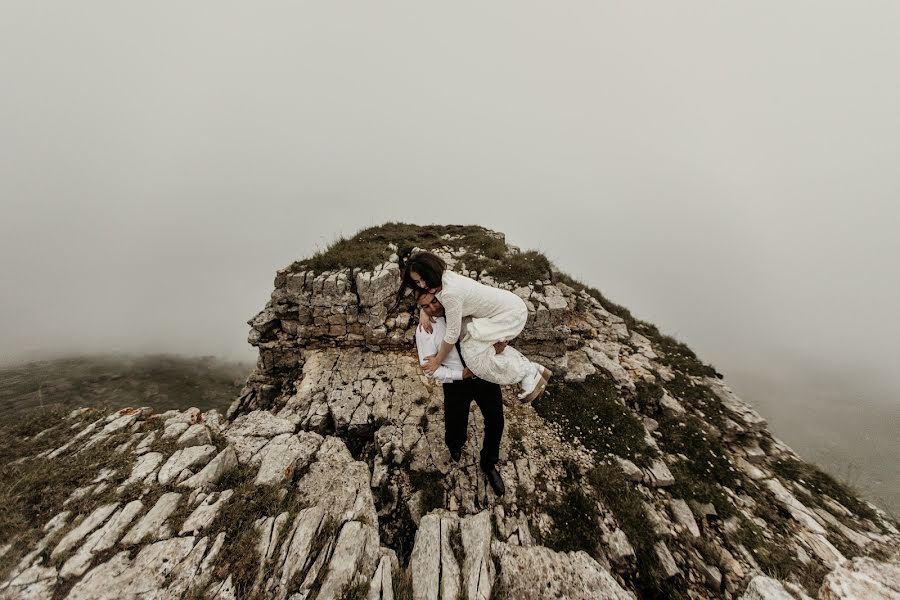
638 474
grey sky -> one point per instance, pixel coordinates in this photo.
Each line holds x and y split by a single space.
725 170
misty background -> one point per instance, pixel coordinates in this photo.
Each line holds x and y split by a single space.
725 171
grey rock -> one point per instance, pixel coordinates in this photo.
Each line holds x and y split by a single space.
196 435
477 569
800 512
862 578
658 475
353 559
151 525
204 514
631 470
682 515
224 462
101 540
34 583
666 561
765 588
339 484
536 572
295 551
618 547
281 460
89 524
670 405
144 577
174 430
143 467
186 458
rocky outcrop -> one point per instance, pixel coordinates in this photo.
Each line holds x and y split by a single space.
639 473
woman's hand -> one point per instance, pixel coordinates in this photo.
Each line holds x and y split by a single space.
467 374
499 347
425 322
431 365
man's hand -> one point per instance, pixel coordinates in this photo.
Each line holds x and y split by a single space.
499 347
431 365
425 322
467 374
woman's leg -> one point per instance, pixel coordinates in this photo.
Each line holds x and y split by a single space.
505 369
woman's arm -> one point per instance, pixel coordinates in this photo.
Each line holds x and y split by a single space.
432 364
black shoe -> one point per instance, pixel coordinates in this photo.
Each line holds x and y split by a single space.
455 455
493 477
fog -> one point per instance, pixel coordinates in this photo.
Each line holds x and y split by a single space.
726 171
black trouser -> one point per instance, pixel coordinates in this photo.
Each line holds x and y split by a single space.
458 397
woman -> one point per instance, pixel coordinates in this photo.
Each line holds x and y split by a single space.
492 317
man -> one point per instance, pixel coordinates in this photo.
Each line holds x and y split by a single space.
460 388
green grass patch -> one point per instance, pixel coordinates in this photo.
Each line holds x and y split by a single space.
697 396
369 247
522 268
817 480
591 413
706 468
432 487
239 555
774 556
33 491
575 517
626 503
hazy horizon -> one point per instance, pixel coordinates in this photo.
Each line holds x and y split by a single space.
725 172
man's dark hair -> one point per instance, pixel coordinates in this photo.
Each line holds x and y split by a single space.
430 267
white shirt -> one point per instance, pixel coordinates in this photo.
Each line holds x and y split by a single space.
428 344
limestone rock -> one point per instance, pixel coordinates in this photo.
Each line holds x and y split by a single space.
281 460
765 588
101 540
151 525
353 559
204 514
186 458
123 579
196 435
339 484
224 462
89 524
862 578
536 572
682 514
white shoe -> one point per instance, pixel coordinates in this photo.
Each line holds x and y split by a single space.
533 386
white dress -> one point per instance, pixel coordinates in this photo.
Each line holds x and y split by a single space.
478 315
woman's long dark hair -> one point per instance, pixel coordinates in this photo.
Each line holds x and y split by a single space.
430 267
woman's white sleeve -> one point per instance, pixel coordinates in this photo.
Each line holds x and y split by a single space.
453 315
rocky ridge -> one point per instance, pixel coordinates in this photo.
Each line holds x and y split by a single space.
638 474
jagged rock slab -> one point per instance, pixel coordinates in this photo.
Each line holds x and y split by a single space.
536 572
186 458
101 540
766 588
284 456
204 514
862 578
89 524
352 561
433 564
152 525
224 462
339 484
144 577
